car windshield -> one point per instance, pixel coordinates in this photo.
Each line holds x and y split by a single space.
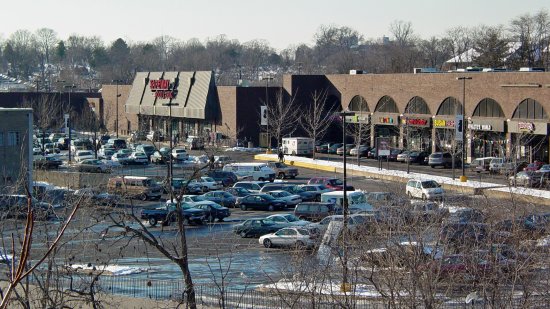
291 218
357 199
336 182
429 184
209 179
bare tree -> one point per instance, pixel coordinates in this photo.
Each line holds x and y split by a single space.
282 115
317 117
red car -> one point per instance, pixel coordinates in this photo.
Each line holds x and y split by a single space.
330 183
460 267
533 167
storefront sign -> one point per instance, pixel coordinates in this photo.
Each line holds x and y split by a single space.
386 120
163 89
480 127
417 122
441 123
526 126
357 119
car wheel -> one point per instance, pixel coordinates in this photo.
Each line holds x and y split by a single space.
143 197
423 196
243 234
261 179
271 208
281 176
243 207
432 166
300 244
153 221
302 218
410 195
267 243
211 218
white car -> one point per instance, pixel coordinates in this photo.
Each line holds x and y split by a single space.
207 182
425 189
83 155
354 221
289 198
180 154
288 220
297 237
191 200
138 158
121 158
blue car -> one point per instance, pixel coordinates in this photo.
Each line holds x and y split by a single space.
221 197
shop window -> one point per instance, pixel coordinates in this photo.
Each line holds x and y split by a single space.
386 105
358 104
450 107
530 109
417 105
488 108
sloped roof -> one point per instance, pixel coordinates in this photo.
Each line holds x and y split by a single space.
194 95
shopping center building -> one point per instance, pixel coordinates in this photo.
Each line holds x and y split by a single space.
506 112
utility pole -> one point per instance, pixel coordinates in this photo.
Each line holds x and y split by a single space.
117 81
464 124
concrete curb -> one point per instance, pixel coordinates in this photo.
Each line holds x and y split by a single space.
488 190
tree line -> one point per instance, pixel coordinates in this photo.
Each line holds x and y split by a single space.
42 58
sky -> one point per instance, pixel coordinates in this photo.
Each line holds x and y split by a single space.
281 23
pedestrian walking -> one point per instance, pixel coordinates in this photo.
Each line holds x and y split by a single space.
281 156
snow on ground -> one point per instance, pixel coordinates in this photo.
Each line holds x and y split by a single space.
113 270
440 179
245 149
328 288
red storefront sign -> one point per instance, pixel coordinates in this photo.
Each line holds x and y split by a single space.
162 88
417 122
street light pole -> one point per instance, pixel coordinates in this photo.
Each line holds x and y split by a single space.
267 79
170 165
464 125
345 203
69 120
117 81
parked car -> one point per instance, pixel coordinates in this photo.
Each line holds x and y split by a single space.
166 213
533 167
443 159
330 182
155 136
261 202
418 156
282 170
545 168
333 148
355 221
295 237
51 148
83 155
425 189
159 157
47 162
225 178
463 234
510 168
121 157
15 206
213 210
138 158
105 153
340 150
315 211
147 149
322 148
239 192
207 182
362 149
256 227
403 157
252 186
480 165
288 220
93 166
98 197
179 154
316 189
225 198
427 211
525 179
179 184
291 200
460 267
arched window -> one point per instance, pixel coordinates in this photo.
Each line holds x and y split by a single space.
358 104
417 105
386 105
530 109
450 107
488 108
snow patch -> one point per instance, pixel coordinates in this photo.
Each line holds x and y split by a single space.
113 270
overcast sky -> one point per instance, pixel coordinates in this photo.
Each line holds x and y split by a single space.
282 22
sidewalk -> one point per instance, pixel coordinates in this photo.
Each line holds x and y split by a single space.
470 187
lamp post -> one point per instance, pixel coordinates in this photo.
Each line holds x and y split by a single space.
464 125
267 79
344 287
170 171
71 87
117 81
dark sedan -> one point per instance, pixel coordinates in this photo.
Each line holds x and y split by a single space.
221 197
256 227
213 210
333 148
47 162
261 202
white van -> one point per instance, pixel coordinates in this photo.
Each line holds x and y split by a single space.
356 200
297 146
258 171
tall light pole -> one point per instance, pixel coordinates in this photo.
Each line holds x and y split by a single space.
170 166
464 125
267 79
345 211
71 87
117 81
